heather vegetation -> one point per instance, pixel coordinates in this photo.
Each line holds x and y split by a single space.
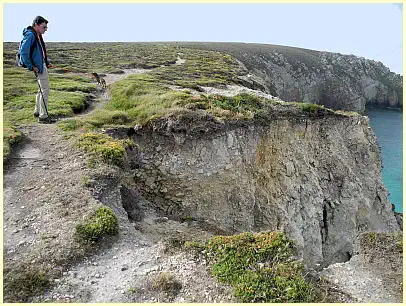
261 267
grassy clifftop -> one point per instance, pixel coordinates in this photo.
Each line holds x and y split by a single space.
139 98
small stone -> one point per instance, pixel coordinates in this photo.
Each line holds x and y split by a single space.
122 291
28 188
95 264
124 267
115 257
336 281
22 207
97 275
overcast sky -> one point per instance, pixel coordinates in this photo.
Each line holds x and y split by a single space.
373 31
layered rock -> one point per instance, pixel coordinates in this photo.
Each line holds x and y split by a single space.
334 80
315 177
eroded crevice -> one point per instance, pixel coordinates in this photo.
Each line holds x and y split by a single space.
131 201
324 225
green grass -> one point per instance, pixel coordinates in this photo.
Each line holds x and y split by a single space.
142 101
260 267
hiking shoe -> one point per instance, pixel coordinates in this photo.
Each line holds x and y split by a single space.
46 120
36 115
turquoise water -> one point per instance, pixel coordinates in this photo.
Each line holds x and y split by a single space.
387 125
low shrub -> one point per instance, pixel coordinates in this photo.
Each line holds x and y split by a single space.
101 224
260 267
104 147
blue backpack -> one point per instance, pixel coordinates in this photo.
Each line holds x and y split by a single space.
19 61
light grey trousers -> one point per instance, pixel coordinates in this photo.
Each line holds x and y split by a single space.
40 99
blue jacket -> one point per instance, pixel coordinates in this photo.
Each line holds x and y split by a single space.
29 41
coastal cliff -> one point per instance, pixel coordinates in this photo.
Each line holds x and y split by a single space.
315 177
334 80
183 147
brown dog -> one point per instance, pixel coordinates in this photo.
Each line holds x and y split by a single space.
99 80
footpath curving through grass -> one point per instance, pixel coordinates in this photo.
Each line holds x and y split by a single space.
69 95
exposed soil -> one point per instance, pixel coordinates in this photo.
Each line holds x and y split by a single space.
45 195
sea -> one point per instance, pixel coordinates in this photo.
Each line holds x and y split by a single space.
387 125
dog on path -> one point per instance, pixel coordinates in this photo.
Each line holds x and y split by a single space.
99 80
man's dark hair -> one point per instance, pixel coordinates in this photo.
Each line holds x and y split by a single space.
38 20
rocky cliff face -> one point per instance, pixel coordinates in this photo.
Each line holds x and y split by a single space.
318 178
334 80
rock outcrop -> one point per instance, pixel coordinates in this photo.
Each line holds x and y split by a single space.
316 177
334 80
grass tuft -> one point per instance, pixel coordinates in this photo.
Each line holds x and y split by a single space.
22 283
101 224
167 283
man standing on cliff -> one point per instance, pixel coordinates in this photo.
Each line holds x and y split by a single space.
33 55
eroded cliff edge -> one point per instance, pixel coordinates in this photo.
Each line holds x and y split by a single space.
315 176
